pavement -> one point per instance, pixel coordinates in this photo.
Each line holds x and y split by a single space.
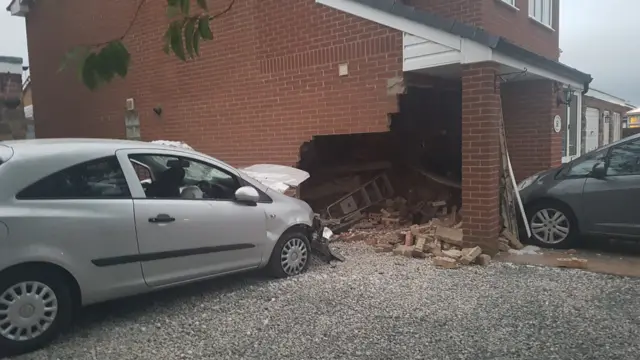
373 306
606 256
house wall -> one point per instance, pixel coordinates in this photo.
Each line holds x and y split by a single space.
528 109
498 18
12 121
602 106
267 83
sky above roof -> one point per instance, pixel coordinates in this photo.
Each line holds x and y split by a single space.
597 37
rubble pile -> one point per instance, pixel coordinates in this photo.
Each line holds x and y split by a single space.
391 230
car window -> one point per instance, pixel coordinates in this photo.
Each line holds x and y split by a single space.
102 178
583 166
625 159
181 177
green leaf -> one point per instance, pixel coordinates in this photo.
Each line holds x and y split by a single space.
189 30
203 4
172 11
196 43
88 73
185 5
121 58
103 63
203 27
76 54
176 40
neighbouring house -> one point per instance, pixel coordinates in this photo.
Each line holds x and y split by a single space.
602 116
12 120
633 118
27 103
284 77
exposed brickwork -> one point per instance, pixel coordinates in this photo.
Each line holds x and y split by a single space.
529 108
12 121
267 83
500 19
588 101
480 155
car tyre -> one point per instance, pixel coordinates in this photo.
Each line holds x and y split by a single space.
47 304
291 255
552 225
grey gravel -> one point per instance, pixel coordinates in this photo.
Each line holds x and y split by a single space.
374 306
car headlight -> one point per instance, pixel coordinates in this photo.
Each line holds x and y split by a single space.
527 182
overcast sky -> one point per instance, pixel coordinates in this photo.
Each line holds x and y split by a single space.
598 37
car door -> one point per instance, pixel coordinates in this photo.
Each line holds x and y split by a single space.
611 203
182 239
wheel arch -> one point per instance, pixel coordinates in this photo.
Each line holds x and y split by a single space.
74 286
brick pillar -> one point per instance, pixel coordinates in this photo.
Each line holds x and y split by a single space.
481 108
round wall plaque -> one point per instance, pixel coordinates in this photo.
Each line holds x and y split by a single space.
557 123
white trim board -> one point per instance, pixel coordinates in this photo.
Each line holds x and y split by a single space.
594 93
468 51
10 68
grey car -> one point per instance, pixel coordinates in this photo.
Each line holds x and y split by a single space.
85 220
595 194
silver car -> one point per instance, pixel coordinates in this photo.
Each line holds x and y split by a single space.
88 220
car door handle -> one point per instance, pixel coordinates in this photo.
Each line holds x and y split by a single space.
162 218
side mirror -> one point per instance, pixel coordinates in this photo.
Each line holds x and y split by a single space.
598 171
247 195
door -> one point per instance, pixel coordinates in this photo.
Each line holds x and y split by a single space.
591 127
606 125
616 126
610 204
182 239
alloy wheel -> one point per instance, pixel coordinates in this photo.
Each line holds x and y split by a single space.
27 310
294 256
550 226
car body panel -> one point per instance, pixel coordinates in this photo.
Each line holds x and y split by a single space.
84 236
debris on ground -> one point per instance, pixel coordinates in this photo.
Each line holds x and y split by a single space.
573 263
527 250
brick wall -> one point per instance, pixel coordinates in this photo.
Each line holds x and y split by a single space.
267 83
602 106
528 109
480 155
500 19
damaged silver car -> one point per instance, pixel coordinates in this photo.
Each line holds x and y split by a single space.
87 220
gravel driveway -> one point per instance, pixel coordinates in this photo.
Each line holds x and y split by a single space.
374 306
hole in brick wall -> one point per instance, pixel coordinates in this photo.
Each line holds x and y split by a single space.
420 155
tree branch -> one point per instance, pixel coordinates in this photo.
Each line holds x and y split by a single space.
127 30
226 10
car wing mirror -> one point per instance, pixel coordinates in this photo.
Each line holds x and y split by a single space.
598 171
247 195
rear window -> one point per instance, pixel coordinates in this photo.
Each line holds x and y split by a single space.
5 153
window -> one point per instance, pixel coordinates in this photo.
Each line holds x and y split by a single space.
582 167
102 178
625 159
179 177
541 11
510 2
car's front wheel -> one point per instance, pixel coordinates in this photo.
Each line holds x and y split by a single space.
291 255
35 305
552 225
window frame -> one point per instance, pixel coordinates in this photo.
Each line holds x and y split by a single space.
18 196
546 9
510 3
608 159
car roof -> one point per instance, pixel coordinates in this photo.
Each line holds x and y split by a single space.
65 144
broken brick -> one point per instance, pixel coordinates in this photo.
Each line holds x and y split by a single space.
384 248
470 254
444 262
403 250
450 236
421 240
513 240
453 253
408 239
483 259
573 263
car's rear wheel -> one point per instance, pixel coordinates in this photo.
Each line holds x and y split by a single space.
34 307
553 225
291 255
